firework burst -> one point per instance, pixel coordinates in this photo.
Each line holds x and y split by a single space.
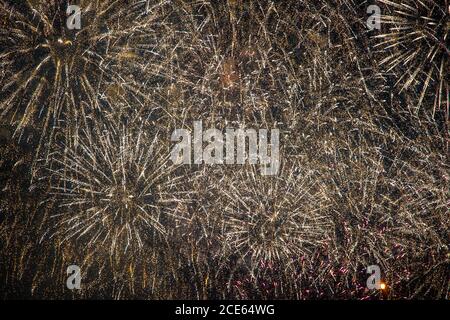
386 203
55 77
417 47
277 219
363 179
233 68
116 188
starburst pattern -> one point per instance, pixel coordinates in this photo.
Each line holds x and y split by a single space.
417 47
278 219
85 123
116 188
54 77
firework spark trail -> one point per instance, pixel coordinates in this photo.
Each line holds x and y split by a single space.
59 75
351 141
389 195
385 204
116 188
140 228
242 69
278 219
417 47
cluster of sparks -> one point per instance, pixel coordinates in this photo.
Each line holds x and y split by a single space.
260 226
54 77
115 188
417 40
88 113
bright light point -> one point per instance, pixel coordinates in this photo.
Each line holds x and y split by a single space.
382 286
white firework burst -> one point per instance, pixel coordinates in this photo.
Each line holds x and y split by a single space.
117 188
417 49
53 77
274 219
